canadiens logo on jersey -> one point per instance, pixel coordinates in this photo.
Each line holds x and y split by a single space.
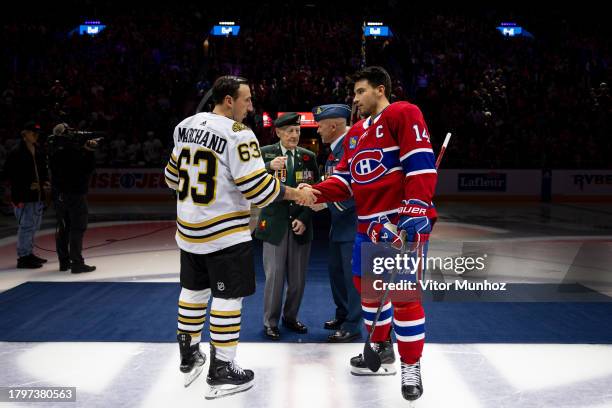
367 166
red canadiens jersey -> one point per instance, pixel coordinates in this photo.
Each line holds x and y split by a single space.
388 159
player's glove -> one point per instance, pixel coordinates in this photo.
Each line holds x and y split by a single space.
414 220
383 230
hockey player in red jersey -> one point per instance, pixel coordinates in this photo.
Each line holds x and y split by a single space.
390 170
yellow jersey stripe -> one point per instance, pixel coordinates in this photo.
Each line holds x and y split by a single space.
212 220
272 196
250 176
265 181
171 170
212 237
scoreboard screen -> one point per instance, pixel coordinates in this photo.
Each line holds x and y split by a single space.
512 30
376 29
91 28
225 29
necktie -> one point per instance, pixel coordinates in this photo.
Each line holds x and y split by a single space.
290 172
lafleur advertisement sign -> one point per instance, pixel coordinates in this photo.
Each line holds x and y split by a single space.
482 182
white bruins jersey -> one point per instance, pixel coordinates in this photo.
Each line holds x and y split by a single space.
217 171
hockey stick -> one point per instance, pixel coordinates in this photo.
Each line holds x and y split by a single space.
443 149
371 357
203 101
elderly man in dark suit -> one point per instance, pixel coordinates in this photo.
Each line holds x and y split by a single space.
332 120
286 229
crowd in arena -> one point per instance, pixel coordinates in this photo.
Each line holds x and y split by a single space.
539 102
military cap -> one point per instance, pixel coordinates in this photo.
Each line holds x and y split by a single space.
32 126
333 110
288 119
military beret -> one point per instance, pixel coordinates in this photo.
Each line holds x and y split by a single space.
334 110
288 119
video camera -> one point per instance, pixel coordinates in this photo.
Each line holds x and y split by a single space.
64 136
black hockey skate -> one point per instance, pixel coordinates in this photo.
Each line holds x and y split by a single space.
412 386
192 360
387 359
226 378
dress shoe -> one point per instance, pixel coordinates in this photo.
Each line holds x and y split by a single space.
64 266
37 259
25 262
82 268
343 336
333 324
272 333
295 326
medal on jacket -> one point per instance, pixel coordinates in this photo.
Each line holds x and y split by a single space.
329 170
281 174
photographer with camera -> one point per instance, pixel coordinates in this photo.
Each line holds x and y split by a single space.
27 174
71 163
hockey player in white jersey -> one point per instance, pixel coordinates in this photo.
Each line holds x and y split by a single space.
217 171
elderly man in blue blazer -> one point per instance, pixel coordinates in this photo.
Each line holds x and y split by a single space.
332 120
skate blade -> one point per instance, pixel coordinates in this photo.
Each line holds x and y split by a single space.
385 369
191 376
220 391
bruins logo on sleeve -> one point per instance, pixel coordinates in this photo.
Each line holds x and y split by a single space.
237 127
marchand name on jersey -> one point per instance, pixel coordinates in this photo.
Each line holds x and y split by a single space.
202 137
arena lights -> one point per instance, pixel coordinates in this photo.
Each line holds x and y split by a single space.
376 29
225 29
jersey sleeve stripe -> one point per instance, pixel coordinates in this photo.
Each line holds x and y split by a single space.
172 170
419 161
268 199
172 184
415 151
223 217
416 173
173 158
256 184
171 176
262 186
250 177
172 181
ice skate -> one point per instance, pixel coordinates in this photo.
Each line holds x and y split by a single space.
412 386
387 358
192 360
226 378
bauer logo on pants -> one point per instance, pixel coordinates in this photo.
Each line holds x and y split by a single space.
221 286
